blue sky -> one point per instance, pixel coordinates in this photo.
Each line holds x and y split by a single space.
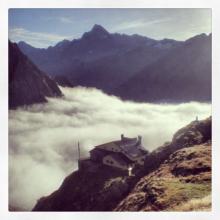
46 27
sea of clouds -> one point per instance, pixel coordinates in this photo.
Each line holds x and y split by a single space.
43 137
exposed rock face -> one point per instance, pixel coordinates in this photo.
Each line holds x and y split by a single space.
27 84
186 175
177 173
197 132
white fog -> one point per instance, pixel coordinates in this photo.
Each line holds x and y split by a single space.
43 137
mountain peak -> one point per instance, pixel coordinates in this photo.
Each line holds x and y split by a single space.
23 43
98 28
25 47
97 32
197 37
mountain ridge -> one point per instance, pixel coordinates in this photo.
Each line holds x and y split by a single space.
132 67
179 74
113 43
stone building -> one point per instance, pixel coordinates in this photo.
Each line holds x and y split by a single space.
123 154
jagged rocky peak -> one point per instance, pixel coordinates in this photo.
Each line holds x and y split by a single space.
97 31
99 28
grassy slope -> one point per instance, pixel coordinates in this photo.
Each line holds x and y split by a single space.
167 189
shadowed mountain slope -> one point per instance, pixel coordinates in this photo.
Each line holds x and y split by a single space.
99 59
27 84
183 75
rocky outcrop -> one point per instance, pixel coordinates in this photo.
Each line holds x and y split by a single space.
197 132
176 175
185 176
87 191
27 84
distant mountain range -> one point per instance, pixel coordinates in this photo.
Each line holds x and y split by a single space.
132 67
183 74
27 84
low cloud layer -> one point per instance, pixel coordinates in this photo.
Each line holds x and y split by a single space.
43 138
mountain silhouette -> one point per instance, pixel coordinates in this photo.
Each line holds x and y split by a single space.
132 67
27 84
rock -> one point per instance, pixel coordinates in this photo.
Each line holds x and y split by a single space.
196 132
186 175
27 84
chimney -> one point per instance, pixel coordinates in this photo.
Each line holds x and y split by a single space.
139 139
122 137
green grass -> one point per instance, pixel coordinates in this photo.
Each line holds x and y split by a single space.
177 192
172 192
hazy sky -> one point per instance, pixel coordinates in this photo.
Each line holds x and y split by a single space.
46 27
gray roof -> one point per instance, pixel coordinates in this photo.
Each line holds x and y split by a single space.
133 150
131 146
100 152
121 159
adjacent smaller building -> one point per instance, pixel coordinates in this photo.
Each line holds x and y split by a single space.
123 154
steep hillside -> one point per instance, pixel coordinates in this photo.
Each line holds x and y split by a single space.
83 190
183 178
183 75
179 171
195 133
27 84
